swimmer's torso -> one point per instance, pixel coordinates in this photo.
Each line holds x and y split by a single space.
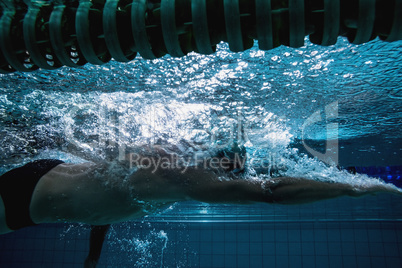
78 193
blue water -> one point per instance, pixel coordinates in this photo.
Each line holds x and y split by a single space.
284 100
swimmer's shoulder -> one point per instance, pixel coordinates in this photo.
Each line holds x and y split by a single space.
74 169
87 170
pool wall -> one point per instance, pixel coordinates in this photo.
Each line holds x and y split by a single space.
343 232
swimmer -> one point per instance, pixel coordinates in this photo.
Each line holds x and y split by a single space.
51 191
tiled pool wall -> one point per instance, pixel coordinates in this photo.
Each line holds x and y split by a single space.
281 244
337 233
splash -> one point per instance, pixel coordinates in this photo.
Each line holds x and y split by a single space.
164 236
142 249
202 101
299 165
123 122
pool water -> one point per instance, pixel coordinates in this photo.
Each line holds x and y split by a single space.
286 105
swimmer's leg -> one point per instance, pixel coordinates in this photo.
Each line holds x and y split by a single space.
97 237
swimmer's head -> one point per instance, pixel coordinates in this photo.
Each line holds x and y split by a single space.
236 157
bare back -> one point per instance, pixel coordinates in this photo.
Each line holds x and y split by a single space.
79 193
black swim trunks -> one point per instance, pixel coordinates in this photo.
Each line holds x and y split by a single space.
16 189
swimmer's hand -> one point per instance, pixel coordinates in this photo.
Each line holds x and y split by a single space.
362 190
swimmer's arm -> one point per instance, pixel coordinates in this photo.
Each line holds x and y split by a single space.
206 186
288 190
282 190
